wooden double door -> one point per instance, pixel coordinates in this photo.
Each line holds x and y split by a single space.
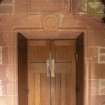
51 72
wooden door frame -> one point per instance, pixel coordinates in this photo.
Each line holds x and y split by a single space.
86 75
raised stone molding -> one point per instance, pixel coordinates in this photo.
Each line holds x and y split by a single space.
50 22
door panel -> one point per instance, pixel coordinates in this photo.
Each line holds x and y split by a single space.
62 90
63 50
47 90
38 51
39 93
39 86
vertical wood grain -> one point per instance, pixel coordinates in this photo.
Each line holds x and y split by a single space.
58 89
37 88
31 95
45 89
53 91
63 89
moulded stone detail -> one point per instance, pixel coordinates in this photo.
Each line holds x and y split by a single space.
51 22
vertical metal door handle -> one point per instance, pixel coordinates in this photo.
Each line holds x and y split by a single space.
52 68
48 68
50 63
